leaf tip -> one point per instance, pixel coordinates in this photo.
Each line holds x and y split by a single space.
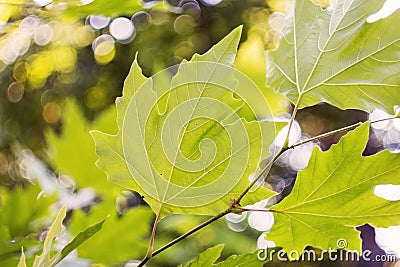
239 29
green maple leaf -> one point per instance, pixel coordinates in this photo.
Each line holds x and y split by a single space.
211 255
334 194
169 150
73 152
336 56
114 233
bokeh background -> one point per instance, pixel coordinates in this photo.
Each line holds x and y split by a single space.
63 63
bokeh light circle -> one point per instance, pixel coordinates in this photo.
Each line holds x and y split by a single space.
379 115
141 21
43 35
15 92
52 113
98 22
261 221
211 2
277 21
121 28
29 23
104 48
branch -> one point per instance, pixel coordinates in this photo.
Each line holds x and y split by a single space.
194 230
295 109
260 174
265 170
346 128
253 209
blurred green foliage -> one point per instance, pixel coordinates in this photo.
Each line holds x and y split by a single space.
121 239
24 214
106 8
38 72
73 151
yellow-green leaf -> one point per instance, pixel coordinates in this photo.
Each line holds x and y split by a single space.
22 261
334 194
56 227
336 56
183 144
